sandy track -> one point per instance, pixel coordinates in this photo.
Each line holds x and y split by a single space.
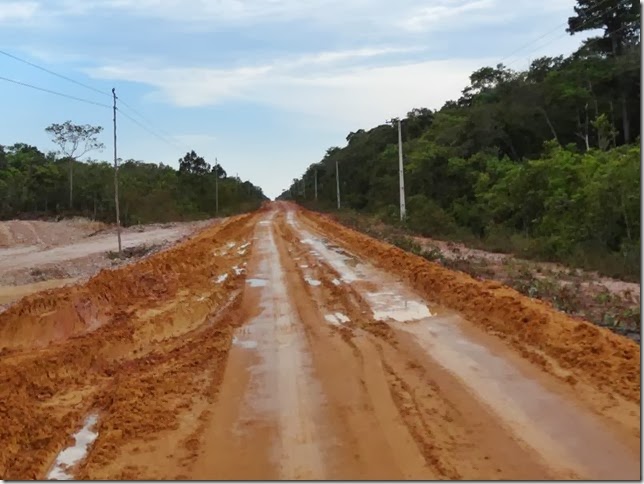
35 256
279 345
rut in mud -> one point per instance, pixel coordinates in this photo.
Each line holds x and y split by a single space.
280 345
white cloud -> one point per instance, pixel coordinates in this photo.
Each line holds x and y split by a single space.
187 87
13 11
212 11
411 15
440 14
353 95
201 86
345 55
367 96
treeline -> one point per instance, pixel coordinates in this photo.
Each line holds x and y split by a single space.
35 184
544 162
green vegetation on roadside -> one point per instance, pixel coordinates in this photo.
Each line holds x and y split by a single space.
35 184
542 163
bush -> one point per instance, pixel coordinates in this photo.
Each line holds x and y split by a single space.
427 218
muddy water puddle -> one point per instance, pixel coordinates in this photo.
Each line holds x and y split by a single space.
256 282
74 454
336 319
555 427
282 389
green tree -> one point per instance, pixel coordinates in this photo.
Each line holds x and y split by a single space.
74 141
620 20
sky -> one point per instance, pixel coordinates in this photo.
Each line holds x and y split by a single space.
263 86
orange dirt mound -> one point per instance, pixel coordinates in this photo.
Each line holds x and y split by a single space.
130 342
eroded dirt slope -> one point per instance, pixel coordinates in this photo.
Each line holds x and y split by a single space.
135 344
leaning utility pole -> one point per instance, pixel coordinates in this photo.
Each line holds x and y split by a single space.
216 188
401 173
316 185
116 179
337 182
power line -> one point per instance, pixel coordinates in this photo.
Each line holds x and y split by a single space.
44 69
135 121
87 101
145 119
78 83
591 42
511 54
55 92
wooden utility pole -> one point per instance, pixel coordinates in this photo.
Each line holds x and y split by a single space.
116 179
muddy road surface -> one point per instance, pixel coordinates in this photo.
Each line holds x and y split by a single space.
280 345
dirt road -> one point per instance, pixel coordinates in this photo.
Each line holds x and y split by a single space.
280 345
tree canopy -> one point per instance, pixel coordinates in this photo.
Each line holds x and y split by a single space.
33 183
537 161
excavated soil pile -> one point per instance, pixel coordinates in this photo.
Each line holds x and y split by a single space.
568 348
131 344
37 232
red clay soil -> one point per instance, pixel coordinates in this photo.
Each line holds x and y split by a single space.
112 345
197 372
541 333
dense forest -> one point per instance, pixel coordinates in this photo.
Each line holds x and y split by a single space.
35 184
544 162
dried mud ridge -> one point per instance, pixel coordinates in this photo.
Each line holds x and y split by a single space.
281 345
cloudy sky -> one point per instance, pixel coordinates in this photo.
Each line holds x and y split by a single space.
266 86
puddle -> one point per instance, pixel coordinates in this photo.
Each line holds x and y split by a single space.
391 306
248 343
254 282
238 270
336 318
222 278
342 318
312 282
71 456
393 303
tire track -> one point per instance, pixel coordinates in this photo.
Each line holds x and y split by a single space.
390 372
555 441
